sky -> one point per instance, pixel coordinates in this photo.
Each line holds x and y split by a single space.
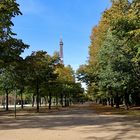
44 22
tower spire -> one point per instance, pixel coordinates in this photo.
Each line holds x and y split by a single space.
61 51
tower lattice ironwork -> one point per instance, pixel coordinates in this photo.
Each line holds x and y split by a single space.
61 51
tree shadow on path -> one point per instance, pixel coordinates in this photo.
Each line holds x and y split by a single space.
77 117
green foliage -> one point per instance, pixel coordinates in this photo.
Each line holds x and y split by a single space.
40 66
114 62
10 48
39 74
8 10
6 80
10 51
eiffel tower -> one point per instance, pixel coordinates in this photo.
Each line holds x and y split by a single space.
61 51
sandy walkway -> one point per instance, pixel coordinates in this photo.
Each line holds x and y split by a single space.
74 124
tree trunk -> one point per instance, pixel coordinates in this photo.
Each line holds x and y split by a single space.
96 101
56 99
40 101
112 98
21 94
45 101
99 101
117 100
7 108
50 99
61 100
33 100
37 94
65 100
112 103
126 96
68 99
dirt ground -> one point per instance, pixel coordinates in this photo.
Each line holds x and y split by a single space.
77 123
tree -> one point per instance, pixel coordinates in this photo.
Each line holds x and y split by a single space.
40 68
66 80
6 84
124 27
10 48
20 73
113 67
10 51
8 10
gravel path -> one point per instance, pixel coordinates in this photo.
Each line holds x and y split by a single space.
79 123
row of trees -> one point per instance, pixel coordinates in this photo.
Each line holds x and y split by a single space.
113 70
38 75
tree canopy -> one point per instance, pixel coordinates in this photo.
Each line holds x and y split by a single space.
113 69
